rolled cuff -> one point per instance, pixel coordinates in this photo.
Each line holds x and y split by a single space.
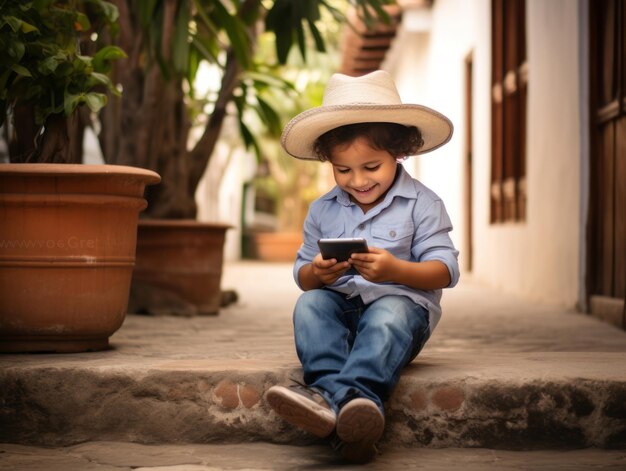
449 259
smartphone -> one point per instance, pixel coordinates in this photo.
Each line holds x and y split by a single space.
341 249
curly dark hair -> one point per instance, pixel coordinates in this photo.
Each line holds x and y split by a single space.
399 140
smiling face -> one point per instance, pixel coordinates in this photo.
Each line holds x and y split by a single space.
364 172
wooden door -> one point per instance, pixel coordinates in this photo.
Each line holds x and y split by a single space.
606 282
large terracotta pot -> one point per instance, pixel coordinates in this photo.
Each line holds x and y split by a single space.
179 267
67 251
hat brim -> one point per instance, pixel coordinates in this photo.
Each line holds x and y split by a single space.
301 132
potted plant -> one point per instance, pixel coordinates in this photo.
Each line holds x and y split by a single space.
280 197
150 125
67 231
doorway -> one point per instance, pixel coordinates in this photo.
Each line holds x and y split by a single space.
606 281
468 164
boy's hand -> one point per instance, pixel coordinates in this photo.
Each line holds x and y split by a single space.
377 265
328 271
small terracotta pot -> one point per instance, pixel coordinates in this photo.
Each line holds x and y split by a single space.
67 252
277 246
179 266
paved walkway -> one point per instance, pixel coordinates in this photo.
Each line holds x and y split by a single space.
257 330
499 372
112 456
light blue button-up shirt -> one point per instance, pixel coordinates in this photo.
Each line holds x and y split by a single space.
411 223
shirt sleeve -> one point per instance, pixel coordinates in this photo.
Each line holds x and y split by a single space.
308 249
432 240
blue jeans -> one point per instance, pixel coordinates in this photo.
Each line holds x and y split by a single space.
349 349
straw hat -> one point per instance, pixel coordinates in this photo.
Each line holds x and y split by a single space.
369 98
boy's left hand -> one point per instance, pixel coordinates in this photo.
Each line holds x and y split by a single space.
377 265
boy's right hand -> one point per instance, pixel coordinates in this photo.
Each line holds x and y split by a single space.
328 271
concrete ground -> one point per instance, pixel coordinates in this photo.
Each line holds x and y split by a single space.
115 456
499 374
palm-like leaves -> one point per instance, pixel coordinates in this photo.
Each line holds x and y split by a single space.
206 30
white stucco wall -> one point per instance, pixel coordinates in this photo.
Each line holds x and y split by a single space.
219 195
538 258
551 265
429 69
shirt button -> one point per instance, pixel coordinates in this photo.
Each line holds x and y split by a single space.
361 227
392 233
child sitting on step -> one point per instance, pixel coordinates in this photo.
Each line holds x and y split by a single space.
360 321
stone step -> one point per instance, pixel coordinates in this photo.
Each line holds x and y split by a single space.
547 401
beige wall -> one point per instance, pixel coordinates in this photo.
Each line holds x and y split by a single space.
220 192
539 258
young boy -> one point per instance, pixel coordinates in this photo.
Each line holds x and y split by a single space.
359 322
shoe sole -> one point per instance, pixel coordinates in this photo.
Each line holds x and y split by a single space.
360 420
302 413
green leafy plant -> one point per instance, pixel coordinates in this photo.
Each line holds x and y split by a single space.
166 42
52 65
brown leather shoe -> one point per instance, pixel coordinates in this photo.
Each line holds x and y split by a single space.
303 407
359 426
